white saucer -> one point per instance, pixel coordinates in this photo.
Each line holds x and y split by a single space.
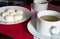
32 29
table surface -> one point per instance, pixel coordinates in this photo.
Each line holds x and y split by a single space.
18 31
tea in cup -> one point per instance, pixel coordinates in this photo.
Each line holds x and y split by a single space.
50 18
48 22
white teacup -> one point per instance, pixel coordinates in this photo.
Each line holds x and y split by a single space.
48 28
40 5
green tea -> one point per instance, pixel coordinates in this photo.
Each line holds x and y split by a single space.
50 18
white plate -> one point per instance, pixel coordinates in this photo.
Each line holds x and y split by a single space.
25 10
32 29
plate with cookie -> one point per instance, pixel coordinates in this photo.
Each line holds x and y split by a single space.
14 14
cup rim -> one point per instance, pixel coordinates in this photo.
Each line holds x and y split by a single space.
41 3
45 20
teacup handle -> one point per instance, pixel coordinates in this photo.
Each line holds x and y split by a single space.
54 30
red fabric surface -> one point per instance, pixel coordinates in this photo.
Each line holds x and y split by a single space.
27 6
53 7
17 31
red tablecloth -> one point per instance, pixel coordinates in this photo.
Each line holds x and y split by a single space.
18 31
